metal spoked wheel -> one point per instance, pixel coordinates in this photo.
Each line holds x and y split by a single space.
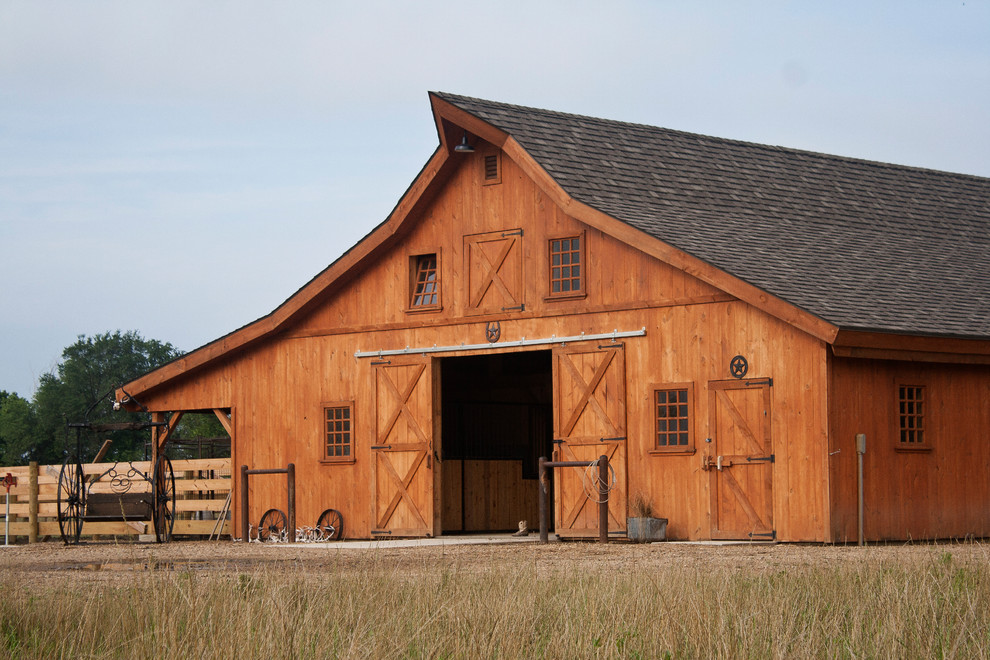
71 501
273 526
163 498
330 526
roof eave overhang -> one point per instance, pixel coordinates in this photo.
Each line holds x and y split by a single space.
704 271
877 345
451 123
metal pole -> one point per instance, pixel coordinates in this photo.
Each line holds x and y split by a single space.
603 499
292 502
244 503
544 522
860 450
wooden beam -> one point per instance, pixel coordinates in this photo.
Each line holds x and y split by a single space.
173 421
103 451
902 342
583 312
224 421
909 356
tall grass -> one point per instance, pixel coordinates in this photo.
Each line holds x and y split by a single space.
937 608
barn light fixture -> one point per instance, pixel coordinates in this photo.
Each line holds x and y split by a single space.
464 147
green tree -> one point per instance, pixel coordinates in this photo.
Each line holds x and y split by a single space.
18 426
81 390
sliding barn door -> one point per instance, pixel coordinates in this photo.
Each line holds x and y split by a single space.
403 449
741 465
589 384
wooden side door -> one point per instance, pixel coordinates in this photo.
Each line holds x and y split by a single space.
741 462
403 451
589 384
493 262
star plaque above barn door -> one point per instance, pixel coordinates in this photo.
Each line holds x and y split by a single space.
493 263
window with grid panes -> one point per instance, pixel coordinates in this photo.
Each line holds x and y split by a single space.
338 432
911 412
565 266
672 408
426 282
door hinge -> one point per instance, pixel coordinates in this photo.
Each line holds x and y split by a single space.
381 532
518 308
381 446
506 234
764 459
765 381
772 535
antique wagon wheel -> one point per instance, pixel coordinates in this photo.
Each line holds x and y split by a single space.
273 526
330 525
71 501
163 498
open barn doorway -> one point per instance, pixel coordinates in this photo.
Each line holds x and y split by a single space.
497 420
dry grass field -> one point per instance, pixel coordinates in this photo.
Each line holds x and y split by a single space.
564 600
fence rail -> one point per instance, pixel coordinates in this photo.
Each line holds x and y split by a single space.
202 491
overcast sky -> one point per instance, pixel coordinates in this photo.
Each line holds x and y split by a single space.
181 168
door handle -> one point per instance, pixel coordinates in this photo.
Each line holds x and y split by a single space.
718 463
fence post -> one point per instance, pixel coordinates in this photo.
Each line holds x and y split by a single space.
291 479
244 504
33 502
544 518
603 499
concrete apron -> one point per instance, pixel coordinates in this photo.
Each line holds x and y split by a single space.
473 539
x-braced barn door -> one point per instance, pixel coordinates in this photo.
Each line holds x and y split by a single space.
403 449
741 465
589 385
493 262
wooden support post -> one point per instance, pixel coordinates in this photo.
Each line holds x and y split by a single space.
603 498
544 517
244 504
157 418
33 502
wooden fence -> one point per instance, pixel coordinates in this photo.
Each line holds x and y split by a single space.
202 490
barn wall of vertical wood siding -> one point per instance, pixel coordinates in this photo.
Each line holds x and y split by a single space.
692 332
940 493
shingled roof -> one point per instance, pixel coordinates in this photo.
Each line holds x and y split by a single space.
860 244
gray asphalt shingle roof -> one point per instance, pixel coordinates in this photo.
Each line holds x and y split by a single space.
863 245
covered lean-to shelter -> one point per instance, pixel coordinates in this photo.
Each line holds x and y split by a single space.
719 318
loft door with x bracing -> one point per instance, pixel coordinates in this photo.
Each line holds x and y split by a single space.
493 262
741 461
589 384
403 453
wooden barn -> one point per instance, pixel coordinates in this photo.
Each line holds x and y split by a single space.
721 319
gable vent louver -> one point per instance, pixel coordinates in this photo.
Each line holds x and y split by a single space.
491 167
